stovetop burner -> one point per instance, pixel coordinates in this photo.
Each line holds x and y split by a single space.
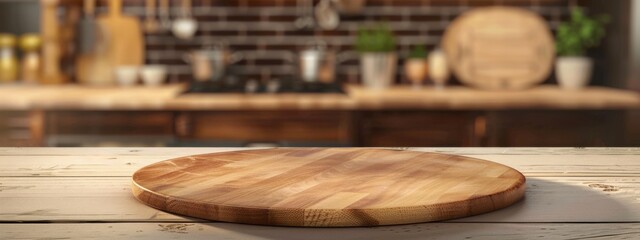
233 85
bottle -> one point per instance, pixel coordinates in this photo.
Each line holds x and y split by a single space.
438 68
8 59
30 65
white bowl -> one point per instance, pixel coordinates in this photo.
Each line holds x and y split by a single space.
153 75
184 28
127 75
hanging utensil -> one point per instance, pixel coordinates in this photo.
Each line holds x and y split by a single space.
305 10
165 15
326 15
300 21
185 26
151 24
311 23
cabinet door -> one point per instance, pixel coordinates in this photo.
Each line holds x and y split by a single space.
422 129
109 128
21 129
110 123
266 126
556 128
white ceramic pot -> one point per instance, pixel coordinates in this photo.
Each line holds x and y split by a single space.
573 73
184 28
378 69
127 75
153 75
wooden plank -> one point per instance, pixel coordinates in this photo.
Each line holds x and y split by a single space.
108 151
123 162
534 151
69 151
81 199
182 151
247 232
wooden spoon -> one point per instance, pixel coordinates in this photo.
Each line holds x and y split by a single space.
151 24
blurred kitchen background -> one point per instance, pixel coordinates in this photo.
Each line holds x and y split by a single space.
429 73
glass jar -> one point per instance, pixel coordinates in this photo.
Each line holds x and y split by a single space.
8 59
30 65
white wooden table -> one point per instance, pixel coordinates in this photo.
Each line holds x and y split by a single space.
84 193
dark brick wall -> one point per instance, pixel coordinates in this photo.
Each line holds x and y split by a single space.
263 30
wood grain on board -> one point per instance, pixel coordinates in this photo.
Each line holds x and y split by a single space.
327 187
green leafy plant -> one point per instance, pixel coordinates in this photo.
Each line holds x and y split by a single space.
375 39
580 33
419 52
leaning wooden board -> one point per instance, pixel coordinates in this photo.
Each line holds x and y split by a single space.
500 48
327 187
123 38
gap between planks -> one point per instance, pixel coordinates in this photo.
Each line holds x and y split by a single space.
239 231
177 151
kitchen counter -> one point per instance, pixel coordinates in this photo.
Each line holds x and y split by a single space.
74 97
572 193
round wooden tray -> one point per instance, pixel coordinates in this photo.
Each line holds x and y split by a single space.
327 187
500 48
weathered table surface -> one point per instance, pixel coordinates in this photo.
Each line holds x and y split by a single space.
84 193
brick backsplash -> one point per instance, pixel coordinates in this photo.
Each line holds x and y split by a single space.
264 32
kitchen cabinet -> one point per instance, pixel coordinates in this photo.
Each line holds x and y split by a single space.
544 116
394 128
556 128
517 128
113 128
273 127
21 128
421 128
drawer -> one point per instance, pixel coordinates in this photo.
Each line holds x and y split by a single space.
266 126
110 123
422 129
20 129
557 129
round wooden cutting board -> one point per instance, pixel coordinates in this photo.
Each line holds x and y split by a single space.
327 187
500 48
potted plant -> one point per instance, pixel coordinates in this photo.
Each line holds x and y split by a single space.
378 58
416 65
573 68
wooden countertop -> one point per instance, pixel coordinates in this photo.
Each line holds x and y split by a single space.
74 97
541 97
82 193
